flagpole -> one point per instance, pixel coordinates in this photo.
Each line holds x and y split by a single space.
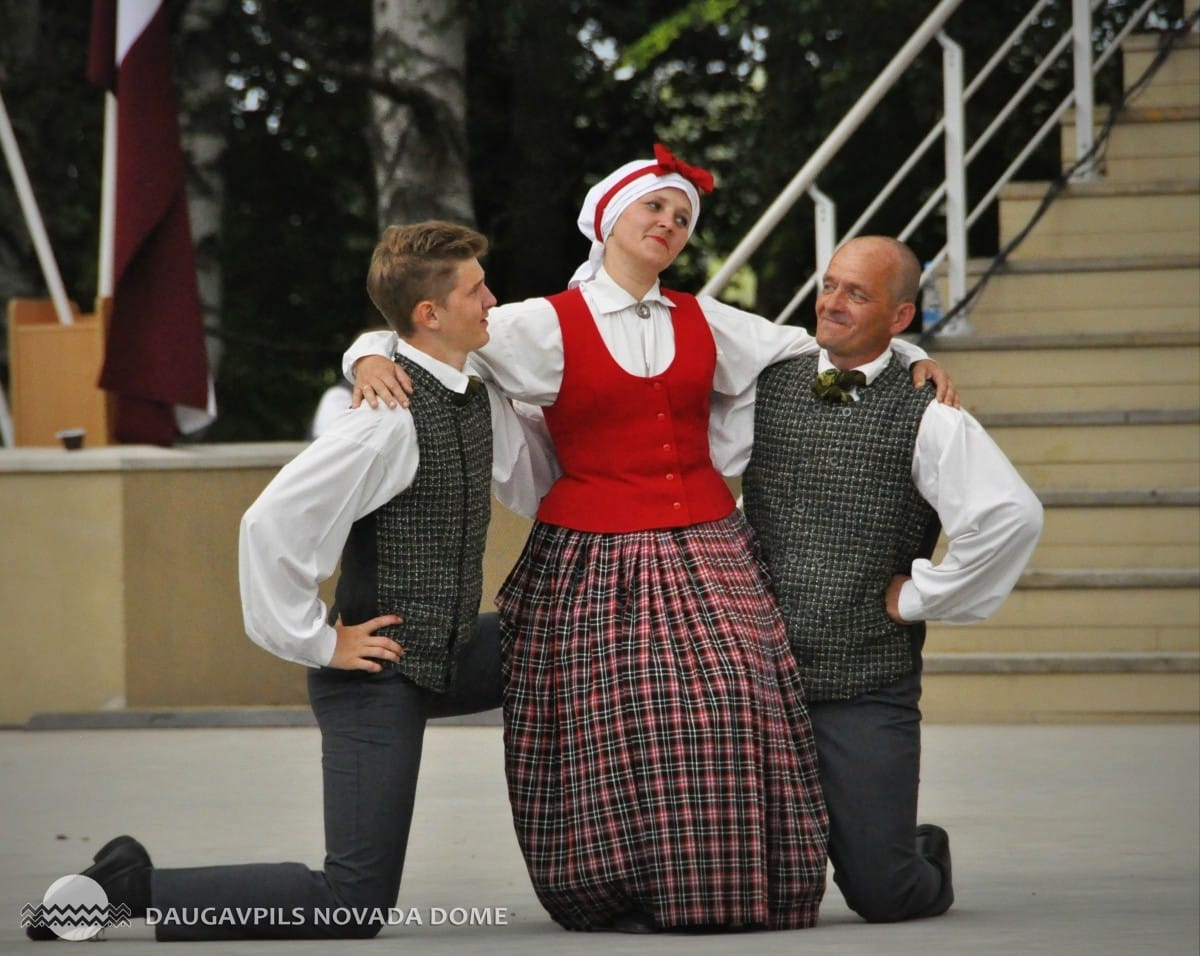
108 201
106 254
33 218
6 425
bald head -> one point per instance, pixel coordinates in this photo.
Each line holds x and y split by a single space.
867 295
901 268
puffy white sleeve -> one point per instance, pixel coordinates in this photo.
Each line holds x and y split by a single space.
991 519
291 537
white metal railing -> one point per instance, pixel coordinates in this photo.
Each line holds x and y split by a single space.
951 194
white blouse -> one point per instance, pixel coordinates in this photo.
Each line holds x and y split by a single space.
524 357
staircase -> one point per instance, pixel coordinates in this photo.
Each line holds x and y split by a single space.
1083 361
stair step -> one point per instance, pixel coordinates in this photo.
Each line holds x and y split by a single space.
1072 296
1104 218
1005 396
1182 662
990 320
1145 144
1089 372
991 687
1149 638
1120 498
1111 532
1178 79
1076 419
1059 696
1083 619
1091 578
1058 265
1103 295
1054 553
1119 455
1077 344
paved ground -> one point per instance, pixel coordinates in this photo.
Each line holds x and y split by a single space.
1067 840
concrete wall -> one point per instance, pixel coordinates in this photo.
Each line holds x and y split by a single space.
118 588
62 617
118 579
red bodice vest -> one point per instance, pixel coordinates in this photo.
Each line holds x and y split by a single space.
634 451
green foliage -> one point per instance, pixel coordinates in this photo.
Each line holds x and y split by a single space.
662 35
57 118
560 92
299 214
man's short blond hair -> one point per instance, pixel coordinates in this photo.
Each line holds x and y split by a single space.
416 262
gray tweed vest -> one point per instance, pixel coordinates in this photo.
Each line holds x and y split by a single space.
829 493
421 554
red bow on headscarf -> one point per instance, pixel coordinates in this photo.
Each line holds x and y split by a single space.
700 178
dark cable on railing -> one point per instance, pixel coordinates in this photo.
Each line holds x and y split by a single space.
1167 41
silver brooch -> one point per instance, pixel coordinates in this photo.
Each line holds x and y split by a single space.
642 310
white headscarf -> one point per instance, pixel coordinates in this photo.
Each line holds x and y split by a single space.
604 202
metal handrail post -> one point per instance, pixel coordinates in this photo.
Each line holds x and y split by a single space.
807 174
956 167
825 227
1085 136
6 422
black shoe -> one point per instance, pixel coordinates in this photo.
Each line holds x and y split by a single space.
39 933
122 868
933 843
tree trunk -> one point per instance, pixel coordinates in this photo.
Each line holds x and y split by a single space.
204 129
418 143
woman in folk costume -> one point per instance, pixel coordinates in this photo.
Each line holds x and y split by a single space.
660 763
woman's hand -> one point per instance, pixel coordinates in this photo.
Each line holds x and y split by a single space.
926 369
377 378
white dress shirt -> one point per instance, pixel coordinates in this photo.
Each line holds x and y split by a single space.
524 356
989 515
291 538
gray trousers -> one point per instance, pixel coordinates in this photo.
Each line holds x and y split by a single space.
372 727
869 750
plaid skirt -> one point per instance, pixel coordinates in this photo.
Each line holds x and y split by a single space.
657 745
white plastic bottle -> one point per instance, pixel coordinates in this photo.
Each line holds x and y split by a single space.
931 302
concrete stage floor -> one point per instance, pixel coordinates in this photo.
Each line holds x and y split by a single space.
1081 839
